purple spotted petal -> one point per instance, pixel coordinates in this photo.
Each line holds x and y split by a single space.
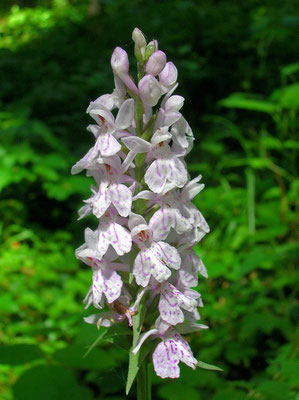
100 202
165 219
161 222
156 175
166 168
169 254
148 263
155 261
171 302
121 197
107 282
108 145
125 114
112 233
88 161
169 353
190 267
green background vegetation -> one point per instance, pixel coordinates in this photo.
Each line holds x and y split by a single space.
238 69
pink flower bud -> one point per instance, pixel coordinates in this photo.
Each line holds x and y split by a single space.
154 43
120 61
156 63
140 44
169 74
149 90
174 103
120 66
138 38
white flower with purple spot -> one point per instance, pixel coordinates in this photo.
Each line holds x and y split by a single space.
109 232
191 266
171 303
154 258
169 353
111 190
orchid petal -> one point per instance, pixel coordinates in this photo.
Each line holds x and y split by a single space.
121 197
169 353
125 114
136 144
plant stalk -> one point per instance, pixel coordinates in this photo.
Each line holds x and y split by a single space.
144 391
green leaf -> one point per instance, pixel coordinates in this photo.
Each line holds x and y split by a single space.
288 96
290 69
19 354
98 340
49 382
177 391
110 335
8 303
273 390
243 101
230 394
135 360
73 356
211 367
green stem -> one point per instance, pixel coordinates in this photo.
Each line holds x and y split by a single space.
251 200
144 391
149 382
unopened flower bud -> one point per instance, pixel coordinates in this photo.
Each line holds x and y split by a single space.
174 103
150 49
140 44
149 90
156 63
120 66
138 38
120 61
154 43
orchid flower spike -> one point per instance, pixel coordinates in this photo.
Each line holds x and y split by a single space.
141 254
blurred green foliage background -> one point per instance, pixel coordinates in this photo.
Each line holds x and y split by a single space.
238 70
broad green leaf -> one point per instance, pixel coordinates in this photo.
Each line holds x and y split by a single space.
8 303
290 69
49 382
177 391
291 144
73 356
288 96
230 394
211 367
19 354
67 186
274 390
242 101
289 369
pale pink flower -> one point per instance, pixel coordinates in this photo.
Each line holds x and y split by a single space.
191 266
168 77
154 258
105 281
156 63
150 91
109 232
110 190
169 353
120 66
172 301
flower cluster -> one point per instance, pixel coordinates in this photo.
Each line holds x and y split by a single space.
142 198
